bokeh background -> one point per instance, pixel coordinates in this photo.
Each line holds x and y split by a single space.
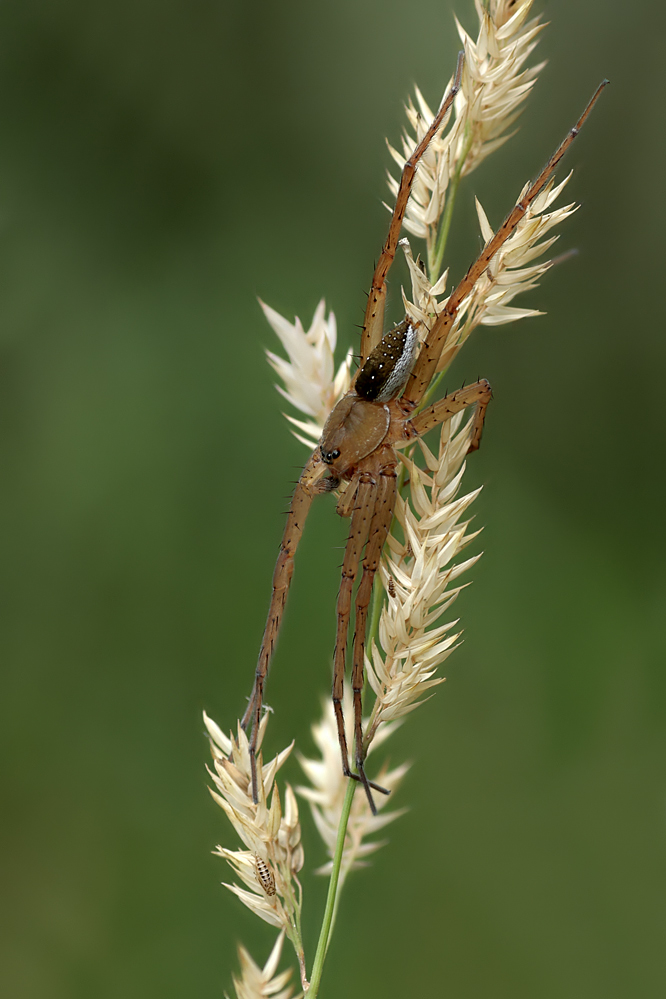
161 165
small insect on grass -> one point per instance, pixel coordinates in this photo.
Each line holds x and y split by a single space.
264 875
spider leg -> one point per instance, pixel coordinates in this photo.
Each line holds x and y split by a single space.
427 361
479 392
379 528
307 488
373 321
361 519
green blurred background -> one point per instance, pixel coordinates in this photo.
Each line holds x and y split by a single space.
161 165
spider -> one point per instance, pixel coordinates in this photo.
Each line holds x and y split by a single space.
378 415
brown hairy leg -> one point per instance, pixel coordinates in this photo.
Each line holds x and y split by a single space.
373 322
379 529
365 496
307 487
427 361
362 524
478 392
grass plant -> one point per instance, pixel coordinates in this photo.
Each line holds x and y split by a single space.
423 568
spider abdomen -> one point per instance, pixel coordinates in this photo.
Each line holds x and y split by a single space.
388 366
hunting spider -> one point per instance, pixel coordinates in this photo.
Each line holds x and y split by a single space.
379 414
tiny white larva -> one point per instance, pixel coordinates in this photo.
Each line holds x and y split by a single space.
264 875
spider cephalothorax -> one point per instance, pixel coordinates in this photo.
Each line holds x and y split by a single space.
360 422
379 414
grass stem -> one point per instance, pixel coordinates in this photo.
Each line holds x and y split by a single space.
435 263
331 898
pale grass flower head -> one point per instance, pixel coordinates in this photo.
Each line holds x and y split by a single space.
328 786
508 274
271 834
261 983
494 84
311 383
512 271
412 633
418 573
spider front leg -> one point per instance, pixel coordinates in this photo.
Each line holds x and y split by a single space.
427 361
373 322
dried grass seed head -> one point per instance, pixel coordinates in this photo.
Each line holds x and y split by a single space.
311 383
328 786
512 271
260 983
271 835
494 85
417 574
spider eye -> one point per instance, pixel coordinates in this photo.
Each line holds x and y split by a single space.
335 453
330 456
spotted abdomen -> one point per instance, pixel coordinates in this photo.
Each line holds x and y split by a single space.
264 875
388 366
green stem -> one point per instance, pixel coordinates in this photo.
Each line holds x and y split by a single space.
325 932
435 260
442 236
438 256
